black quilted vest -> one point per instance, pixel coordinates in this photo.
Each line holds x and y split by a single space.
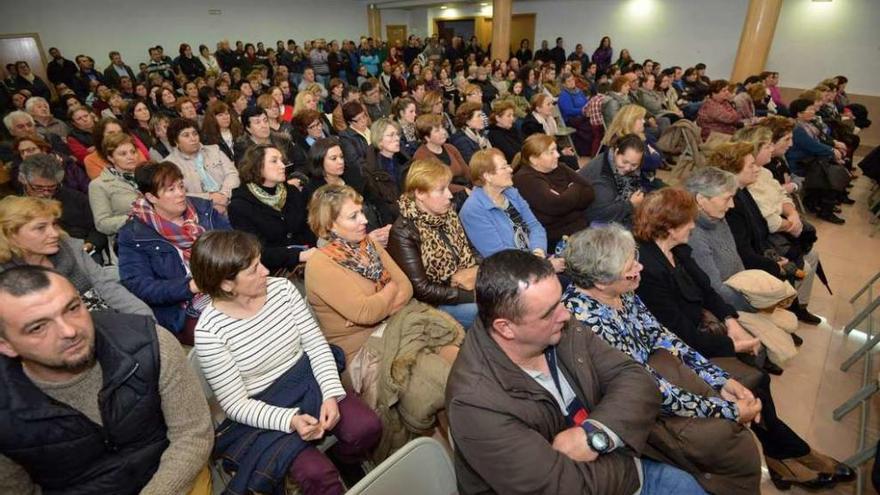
65 452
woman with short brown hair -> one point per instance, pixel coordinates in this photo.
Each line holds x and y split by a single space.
289 390
469 138
717 114
155 245
433 135
266 205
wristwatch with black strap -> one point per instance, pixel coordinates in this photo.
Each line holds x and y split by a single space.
597 438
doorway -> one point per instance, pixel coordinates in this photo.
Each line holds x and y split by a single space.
395 34
522 26
26 47
448 28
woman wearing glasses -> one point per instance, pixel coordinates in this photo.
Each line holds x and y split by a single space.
705 410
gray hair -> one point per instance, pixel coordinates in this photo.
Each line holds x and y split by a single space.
711 182
13 116
41 166
598 255
33 100
377 130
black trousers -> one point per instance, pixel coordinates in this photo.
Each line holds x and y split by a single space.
777 439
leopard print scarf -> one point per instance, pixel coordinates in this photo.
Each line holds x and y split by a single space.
445 248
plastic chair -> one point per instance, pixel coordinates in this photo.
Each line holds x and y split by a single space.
421 466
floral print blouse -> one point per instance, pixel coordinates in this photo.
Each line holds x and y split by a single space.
634 330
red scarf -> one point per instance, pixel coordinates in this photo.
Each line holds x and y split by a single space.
181 236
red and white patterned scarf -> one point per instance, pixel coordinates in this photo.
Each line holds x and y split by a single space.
181 236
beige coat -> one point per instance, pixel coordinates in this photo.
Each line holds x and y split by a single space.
770 197
110 198
218 165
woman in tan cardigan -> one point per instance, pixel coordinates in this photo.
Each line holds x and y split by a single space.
352 283
362 300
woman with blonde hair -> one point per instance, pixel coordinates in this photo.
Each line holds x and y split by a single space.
30 235
362 300
631 120
306 100
428 242
432 103
559 197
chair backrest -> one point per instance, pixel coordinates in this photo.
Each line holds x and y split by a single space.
422 466
217 414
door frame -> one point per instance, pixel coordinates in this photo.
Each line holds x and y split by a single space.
42 69
405 32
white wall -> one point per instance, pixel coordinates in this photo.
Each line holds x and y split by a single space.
130 26
653 29
815 40
395 17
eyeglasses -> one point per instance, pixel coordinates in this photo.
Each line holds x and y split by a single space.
42 188
633 267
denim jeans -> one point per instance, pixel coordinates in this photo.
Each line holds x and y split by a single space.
662 479
464 313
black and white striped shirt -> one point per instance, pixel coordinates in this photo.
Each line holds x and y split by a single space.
242 357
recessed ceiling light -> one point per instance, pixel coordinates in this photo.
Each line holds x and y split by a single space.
443 7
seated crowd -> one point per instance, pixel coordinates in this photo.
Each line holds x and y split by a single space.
377 243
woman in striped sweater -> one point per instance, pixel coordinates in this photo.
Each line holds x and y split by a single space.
279 398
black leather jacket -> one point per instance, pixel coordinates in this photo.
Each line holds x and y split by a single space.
404 245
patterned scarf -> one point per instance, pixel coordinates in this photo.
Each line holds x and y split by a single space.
360 257
626 185
549 124
181 236
208 183
275 200
409 131
477 138
445 248
127 177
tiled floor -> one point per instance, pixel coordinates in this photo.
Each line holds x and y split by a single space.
813 384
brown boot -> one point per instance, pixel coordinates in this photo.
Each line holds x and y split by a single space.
822 463
787 472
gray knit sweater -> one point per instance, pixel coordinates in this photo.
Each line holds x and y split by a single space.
714 250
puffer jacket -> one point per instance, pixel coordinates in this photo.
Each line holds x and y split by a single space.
153 269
